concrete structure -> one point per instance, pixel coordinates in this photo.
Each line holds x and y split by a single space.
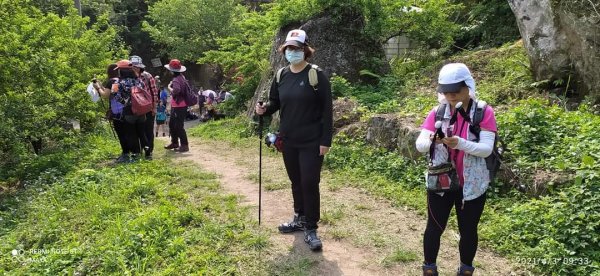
397 46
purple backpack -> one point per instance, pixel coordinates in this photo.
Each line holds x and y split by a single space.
115 106
190 97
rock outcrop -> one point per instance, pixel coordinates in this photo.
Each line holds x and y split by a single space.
393 133
345 112
562 38
341 49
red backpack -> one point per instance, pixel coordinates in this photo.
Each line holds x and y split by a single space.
141 99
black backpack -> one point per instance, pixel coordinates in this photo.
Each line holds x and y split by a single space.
493 161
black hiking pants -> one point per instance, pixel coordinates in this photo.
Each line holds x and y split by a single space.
439 208
149 131
178 134
135 134
121 131
303 166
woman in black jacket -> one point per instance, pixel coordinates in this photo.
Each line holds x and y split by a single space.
306 129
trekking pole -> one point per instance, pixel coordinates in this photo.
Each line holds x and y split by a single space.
110 122
260 129
112 128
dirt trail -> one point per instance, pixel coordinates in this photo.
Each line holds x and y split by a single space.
362 235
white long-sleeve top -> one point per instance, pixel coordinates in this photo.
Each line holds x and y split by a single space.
483 148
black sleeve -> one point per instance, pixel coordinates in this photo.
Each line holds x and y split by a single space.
324 91
274 103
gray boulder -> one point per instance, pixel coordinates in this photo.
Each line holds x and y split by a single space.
341 49
562 38
345 112
393 133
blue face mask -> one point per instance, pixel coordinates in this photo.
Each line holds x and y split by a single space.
294 57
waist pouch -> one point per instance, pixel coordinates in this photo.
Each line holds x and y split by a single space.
442 178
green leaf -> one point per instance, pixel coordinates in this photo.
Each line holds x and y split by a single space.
588 160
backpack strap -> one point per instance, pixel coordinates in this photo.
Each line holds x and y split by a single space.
439 115
278 74
479 112
440 112
480 107
313 79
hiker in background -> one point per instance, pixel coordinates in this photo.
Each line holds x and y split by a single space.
209 105
201 101
210 96
177 87
115 110
150 84
158 82
462 148
136 124
164 95
224 96
306 127
161 118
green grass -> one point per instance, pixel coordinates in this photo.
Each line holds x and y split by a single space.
292 266
268 183
399 255
338 233
156 217
332 216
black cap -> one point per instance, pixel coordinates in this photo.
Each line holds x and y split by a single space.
451 87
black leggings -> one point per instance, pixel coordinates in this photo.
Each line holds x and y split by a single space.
135 134
149 131
303 166
121 130
176 128
468 219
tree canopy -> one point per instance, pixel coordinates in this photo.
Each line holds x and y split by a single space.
47 61
188 28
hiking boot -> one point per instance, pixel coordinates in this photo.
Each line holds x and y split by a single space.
430 270
134 158
313 241
172 146
465 270
148 156
122 158
297 224
182 148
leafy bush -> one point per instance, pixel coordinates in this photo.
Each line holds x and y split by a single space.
47 62
190 28
371 96
559 233
370 161
546 135
487 23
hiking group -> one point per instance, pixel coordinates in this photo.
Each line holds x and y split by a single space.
136 104
459 134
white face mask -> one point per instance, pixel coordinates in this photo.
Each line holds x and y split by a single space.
294 57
